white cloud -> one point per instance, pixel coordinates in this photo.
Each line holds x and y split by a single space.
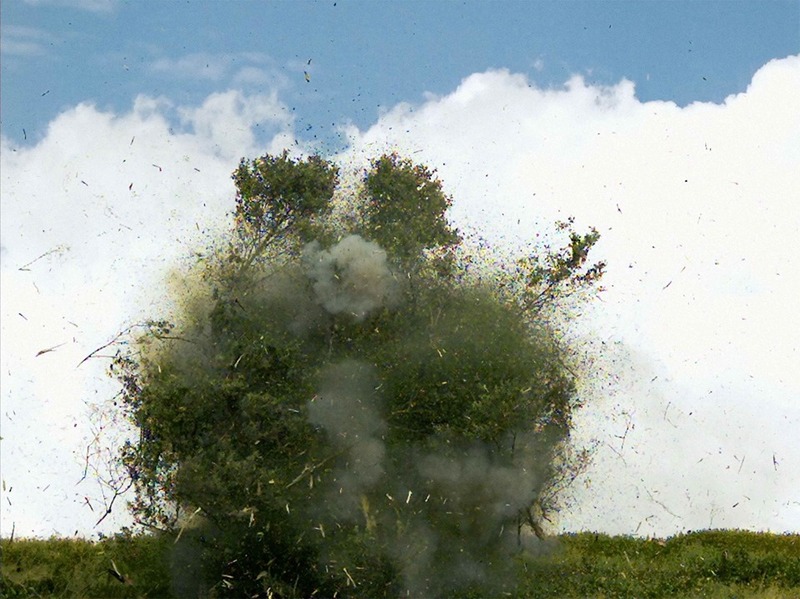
21 47
121 199
199 65
87 5
17 40
227 120
699 208
240 69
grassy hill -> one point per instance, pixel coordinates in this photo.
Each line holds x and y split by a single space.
718 564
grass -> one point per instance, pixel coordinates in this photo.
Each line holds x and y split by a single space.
702 564
79 568
714 564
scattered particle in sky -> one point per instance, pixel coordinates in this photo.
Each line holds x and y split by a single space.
463 88
41 352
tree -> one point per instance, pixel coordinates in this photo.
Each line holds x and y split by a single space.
341 406
405 210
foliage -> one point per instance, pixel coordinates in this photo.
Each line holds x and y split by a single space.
347 410
277 200
716 563
123 565
700 564
547 274
405 209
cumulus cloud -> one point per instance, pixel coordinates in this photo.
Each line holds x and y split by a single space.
695 206
94 217
228 120
698 207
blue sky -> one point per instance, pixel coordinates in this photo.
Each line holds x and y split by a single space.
367 56
671 127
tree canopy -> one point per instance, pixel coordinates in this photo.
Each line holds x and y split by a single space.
338 407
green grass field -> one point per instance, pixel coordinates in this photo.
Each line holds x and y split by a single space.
715 564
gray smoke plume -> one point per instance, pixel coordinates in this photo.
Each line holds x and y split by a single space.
352 277
347 407
464 528
447 514
474 479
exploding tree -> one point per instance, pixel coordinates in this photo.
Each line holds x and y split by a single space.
348 401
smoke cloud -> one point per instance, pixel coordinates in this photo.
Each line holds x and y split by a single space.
447 514
463 505
475 479
448 518
446 511
352 277
347 407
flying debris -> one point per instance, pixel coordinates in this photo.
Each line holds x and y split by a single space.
48 350
59 249
158 167
115 572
